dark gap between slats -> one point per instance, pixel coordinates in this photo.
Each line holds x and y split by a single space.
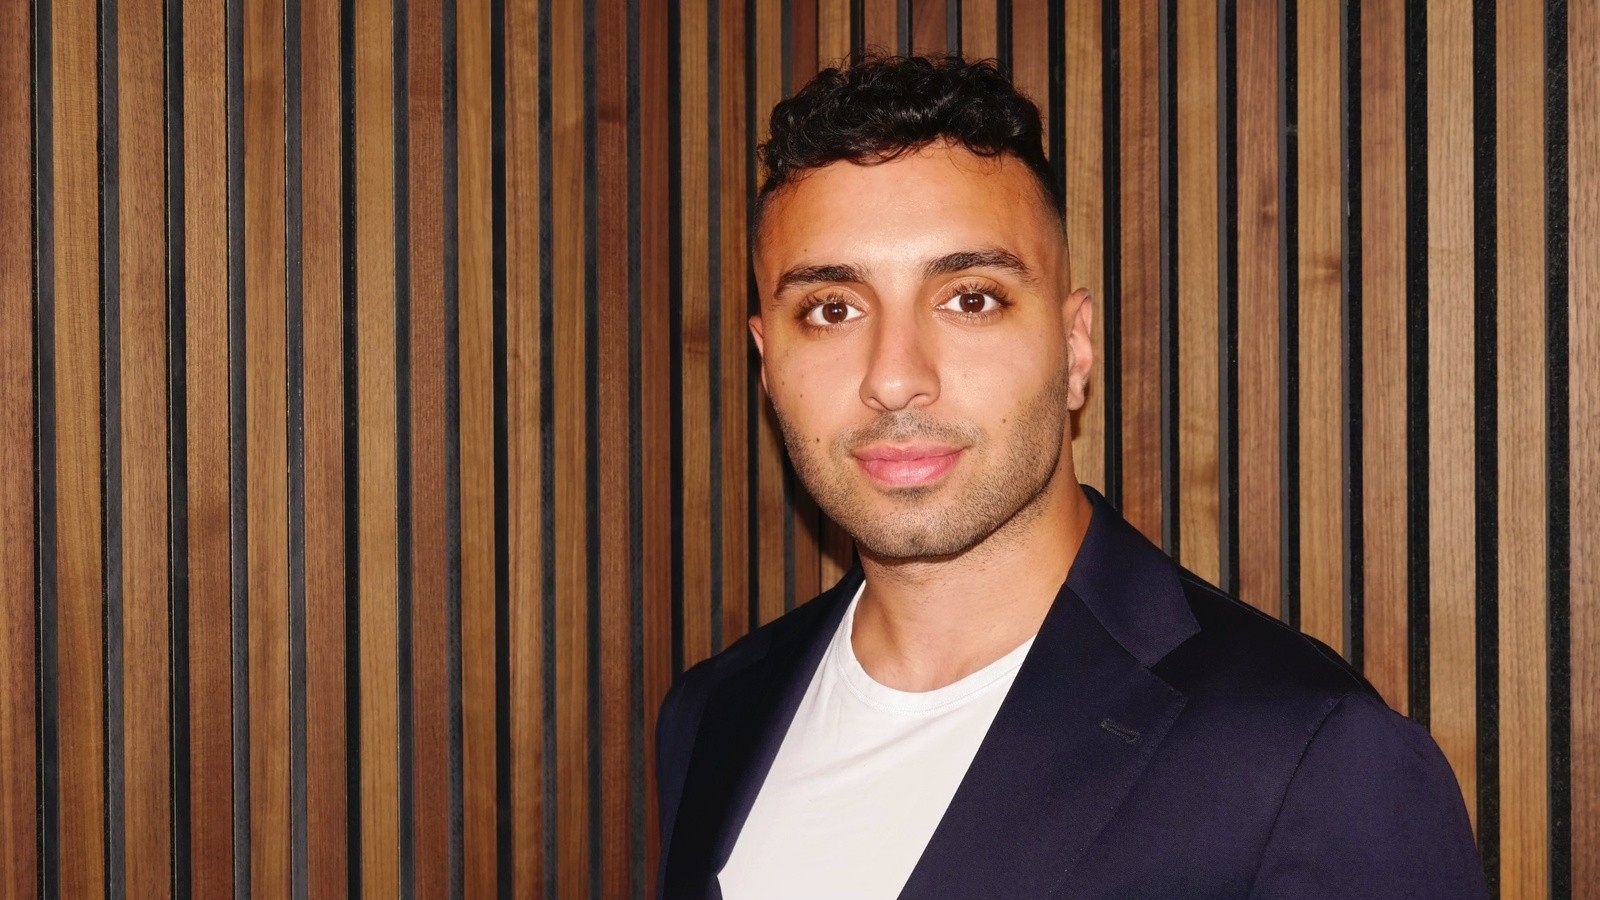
1419 691
1351 349
752 306
400 138
637 763
1289 307
452 444
1110 307
504 851
1167 141
675 317
238 556
714 297
591 463
547 440
1228 291
351 449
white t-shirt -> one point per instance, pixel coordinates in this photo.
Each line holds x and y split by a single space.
861 781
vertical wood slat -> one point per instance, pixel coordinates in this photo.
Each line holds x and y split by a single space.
323 376
205 157
526 369
375 412
768 460
880 21
1451 400
733 336
572 446
1583 322
615 441
1085 194
1259 322
266 442
19 790
430 624
1030 58
81 673
929 28
833 34
1199 423
980 37
1520 342
694 402
1139 282
143 380
1383 365
1320 273
475 323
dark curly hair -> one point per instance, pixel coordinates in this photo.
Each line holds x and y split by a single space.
879 107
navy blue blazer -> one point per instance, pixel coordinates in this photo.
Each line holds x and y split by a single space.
1161 740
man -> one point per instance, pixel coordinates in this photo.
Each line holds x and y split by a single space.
1014 694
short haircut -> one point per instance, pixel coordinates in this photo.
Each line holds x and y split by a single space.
880 107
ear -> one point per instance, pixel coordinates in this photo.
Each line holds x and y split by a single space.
761 347
1078 318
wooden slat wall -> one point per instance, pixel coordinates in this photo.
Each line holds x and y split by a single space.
381 433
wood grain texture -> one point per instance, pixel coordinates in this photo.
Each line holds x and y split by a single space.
1085 193
1199 303
375 411
430 632
525 367
475 323
322 337
1030 58
205 214
573 445
266 440
1259 324
1383 342
880 21
833 34
1139 292
979 29
1583 323
19 727
1320 255
79 579
1451 400
733 335
615 439
146 680
1520 400
694 404
768 470
656 401
930 23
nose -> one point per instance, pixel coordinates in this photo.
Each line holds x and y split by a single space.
902 372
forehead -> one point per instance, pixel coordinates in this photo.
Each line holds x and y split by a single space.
916 206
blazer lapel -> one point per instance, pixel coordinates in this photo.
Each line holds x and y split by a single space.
743 726
1080 723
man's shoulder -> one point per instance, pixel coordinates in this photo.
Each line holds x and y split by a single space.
798 624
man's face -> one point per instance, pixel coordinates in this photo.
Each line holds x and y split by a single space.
920 346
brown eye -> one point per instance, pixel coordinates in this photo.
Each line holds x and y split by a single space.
972 303
831 312
834 313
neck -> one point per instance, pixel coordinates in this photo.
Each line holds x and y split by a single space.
925 623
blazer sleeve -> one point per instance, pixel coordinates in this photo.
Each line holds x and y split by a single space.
1373 810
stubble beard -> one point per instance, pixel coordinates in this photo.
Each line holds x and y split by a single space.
939 520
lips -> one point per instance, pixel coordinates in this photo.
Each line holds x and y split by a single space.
909 466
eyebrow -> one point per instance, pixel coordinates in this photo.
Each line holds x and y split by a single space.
803 276
982 258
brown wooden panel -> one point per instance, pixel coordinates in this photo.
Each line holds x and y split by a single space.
1520 343
1383 343
615 442
1321 345
768 451
1451 403
141 184
572 451
1259 326
1199 421
375 374
1583 318
1085 192
18 727
695 402
205 197
81 672
525 566
656 400
802 44
833 34
979 29
1139 300
1030 57
430 623
733 335
880 25
323 379
476 335
266 438
930 23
